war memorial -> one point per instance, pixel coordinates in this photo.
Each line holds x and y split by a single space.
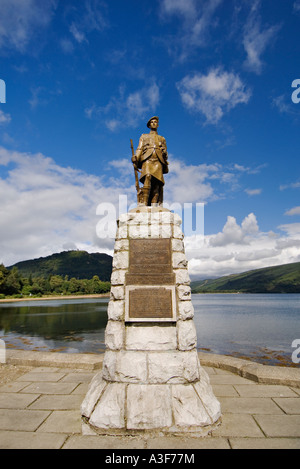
151 378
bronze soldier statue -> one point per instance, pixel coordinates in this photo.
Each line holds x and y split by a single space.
151 158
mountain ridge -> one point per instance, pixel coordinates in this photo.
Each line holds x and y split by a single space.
283 278
76 263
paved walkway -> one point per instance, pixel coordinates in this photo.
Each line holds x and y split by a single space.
41 394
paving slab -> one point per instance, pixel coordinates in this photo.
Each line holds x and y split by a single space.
30 440
16 400
265 443
229 378
27 420
279 425
238 425
290 405
249 405
57 402
104 442
187 443
224 390
41 376
79 377
14 386
43 387
62 421
264 390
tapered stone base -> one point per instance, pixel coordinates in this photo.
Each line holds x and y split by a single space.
112 407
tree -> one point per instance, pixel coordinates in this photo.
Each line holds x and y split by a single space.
4 272
13 283
56 283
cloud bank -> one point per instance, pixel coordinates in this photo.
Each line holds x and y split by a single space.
46 208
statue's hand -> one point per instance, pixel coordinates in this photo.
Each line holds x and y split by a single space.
134 160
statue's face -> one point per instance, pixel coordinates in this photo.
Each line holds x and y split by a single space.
153 124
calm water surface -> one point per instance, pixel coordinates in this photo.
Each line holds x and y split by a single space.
261 327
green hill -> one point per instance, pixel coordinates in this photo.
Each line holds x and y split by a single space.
78 264
279 279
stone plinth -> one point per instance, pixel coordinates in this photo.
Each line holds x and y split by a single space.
151 378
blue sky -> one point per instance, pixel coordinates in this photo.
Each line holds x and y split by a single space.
83 77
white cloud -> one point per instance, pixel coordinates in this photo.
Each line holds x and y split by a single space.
296 5
41 96
213 94
253 191
232 233
180 7
78 35
293 229
197 18
239 248
291 185
284 104
256 39
20 20
293 211
4 118
126 110
90 18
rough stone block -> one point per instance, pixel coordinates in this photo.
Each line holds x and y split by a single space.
139 231
182 277
177 245
148 406
117 293
187 335
177 233
118 277
121 260
95 390
173 367
177 219
114 335
110 410
122 232
116 310
184 292
121 245
185 309
188 408
210 402
179 260
131 367
150 337
109 365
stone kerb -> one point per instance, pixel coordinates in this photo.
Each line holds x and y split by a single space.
151 377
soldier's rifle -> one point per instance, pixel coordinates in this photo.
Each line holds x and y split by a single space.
135 169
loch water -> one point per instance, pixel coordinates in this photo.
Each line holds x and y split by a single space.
260 327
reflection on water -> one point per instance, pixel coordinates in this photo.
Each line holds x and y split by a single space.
260 327
56 325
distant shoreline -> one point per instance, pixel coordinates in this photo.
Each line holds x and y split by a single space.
56 297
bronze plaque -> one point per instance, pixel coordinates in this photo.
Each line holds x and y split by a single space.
150 303
150 255
150 262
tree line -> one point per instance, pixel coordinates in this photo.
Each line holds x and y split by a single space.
13 284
